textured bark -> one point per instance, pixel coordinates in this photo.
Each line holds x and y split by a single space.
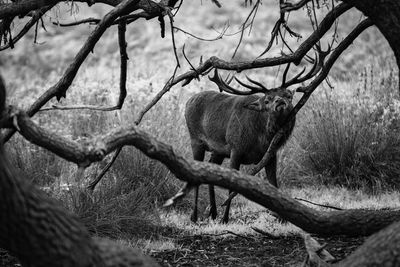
347 222
385 14
381 249
41 233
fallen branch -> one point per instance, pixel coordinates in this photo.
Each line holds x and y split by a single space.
317 204
346 222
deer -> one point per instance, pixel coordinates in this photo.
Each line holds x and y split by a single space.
239 126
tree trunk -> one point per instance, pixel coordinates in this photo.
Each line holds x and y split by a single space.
386 16
41 233
381 249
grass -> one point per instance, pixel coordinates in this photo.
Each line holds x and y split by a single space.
247 215
348 137
344 150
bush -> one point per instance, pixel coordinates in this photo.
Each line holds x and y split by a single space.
350 137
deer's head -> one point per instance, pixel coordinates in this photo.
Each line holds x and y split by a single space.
279 101
276 100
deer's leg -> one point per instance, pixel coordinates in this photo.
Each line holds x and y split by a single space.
217 159
198 154
270 171
235 164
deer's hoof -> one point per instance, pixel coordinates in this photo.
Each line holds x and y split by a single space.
213 214
193 217
224 220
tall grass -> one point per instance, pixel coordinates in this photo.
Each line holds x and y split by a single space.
346 136
349 134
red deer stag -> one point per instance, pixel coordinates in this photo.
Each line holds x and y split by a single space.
239 127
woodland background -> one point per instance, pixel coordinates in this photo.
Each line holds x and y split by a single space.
344 151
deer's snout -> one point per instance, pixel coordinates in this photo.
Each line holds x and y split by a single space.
279 104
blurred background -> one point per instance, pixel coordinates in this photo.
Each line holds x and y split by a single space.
345 142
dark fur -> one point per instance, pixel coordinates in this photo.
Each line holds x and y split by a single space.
231 127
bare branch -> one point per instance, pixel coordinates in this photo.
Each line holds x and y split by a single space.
220 35
80 107
346 222
171 82
317 204
124 58
252 14
36 16
59 89
92 21
171 21
286 6
93 183
21 9
215 62
307 90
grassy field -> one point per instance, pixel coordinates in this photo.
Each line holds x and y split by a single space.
344 150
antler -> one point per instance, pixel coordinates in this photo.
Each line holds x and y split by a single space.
223 86
318 64
259 88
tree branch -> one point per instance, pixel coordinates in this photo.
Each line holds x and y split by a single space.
36 16
286 7
347 222
59 89
307 90
215 62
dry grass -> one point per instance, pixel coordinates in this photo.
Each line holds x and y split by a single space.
132 191
247 215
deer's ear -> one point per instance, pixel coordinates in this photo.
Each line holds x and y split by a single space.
257 105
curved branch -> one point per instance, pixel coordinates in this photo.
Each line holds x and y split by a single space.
348 222
286 7
218 63
59 89
37 15
124 58
95 181
40 232
308 90
21 8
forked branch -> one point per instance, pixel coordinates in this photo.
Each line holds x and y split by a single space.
218 63
260 88
36 16
59 89
122 80
348 222
307 90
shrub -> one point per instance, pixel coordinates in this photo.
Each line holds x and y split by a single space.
349 137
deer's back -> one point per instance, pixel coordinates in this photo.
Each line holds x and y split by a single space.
221 123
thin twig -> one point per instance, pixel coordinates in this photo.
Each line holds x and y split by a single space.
215 62
124 58
253 10
264 233
220 35
171 22
171 81
92 21
79 107
93 183
317 204
307 90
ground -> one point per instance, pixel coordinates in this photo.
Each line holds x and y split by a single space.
232 250
176 241
209 243
252 250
